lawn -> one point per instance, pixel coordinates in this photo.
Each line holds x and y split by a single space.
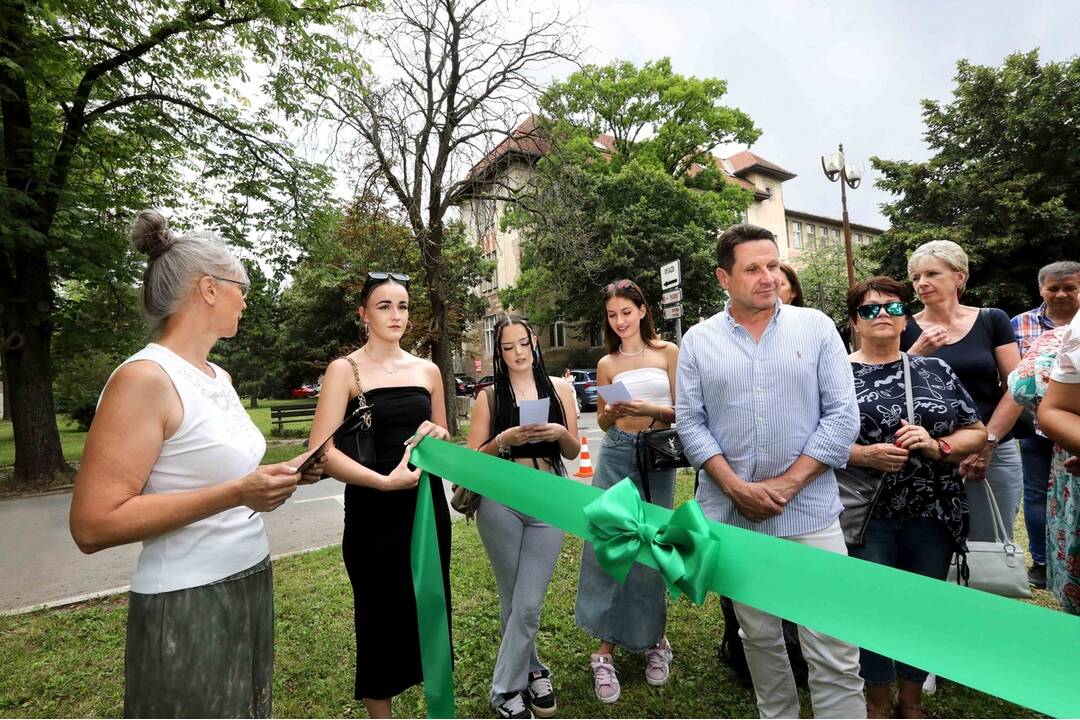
69 662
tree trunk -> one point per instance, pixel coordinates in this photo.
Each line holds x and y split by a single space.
27 329
438 296
254 400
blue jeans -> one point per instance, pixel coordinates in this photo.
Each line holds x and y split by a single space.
1035 453
919 545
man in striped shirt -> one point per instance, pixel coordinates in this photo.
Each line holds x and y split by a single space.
765 409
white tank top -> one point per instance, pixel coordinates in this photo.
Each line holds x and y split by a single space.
216 441
649 384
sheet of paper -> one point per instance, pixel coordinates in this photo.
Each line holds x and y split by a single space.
534 412
615 392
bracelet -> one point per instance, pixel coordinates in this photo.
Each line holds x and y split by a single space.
504 451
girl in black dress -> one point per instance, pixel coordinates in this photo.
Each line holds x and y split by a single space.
407 395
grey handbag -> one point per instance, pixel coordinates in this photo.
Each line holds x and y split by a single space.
996 566
859 490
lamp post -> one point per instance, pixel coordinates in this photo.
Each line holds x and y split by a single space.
836 168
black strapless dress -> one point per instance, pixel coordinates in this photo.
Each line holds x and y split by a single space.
375 546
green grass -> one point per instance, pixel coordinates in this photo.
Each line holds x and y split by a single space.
70 662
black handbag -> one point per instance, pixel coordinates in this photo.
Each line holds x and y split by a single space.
658 450
354 438
859 490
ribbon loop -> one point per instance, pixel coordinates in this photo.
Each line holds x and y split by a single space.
684 548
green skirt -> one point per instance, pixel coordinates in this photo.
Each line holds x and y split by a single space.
206 651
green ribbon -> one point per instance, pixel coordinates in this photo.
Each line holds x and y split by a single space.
1014 650
684 550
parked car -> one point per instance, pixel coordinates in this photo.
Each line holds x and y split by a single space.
482 383
585 387
464 384
305 391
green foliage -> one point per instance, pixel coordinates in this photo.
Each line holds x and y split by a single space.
592 216
823 276
1004 179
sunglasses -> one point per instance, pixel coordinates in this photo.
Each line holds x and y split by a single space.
378 277
618 285
244 287
869 311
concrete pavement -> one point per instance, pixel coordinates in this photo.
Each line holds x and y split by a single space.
41 566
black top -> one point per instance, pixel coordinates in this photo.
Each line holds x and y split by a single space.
972 357
923 487
546 450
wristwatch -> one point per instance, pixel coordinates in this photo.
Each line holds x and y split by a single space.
945 448
992 438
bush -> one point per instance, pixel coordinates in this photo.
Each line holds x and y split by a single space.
78 382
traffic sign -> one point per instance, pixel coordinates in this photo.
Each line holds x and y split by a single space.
672 311
670 275
671 296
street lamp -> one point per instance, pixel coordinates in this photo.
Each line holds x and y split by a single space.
836 167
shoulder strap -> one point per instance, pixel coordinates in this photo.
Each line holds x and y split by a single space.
356 376
489 393
907 388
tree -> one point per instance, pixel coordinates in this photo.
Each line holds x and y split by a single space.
110 107
1003 181
823 276
319 320
645 193
459 70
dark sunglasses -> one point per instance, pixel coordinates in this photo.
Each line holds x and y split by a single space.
619 284
378 277
869 311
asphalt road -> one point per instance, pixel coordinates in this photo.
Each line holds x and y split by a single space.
41 566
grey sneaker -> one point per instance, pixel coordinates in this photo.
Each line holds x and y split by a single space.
605 680
657 661
513 707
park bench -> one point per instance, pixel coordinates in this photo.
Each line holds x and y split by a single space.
281 414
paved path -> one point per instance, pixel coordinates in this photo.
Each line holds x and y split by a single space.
40 564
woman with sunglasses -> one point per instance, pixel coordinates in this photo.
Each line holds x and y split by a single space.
522 549
172 460
633 614
920 518
406 395
980 347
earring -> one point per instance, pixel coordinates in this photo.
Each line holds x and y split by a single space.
408 325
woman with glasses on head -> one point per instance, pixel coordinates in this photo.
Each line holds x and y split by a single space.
920 518
406 395
980 347
522 549
633 614
172 460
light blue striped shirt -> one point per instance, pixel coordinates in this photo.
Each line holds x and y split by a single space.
763 404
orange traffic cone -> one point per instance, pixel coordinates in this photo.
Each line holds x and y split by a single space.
585 469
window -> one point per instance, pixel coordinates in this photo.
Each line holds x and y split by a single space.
858 239
811 243
489 335
796 235
491 283
835 237
558 333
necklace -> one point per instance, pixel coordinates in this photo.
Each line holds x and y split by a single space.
626 354
387 370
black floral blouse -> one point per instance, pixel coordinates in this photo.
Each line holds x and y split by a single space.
922 488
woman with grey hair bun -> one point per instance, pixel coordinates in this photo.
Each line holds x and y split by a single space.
172 460
979 346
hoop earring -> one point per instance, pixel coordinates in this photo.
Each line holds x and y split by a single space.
408 325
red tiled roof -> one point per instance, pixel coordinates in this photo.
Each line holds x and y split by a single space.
744 161
523 140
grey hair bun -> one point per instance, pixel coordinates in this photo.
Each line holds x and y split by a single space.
150 234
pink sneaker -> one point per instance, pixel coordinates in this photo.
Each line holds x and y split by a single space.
605 680
657 659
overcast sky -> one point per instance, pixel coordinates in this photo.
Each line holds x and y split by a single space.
814 74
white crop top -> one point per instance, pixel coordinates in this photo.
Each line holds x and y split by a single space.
649 384
216 441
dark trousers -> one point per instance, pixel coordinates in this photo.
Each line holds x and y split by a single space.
919 545
1035 454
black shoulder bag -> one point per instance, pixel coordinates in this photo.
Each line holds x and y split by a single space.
658 450
859 490
355 438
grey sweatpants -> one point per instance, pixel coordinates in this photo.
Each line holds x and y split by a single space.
523 552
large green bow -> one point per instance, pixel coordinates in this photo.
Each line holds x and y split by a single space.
685 549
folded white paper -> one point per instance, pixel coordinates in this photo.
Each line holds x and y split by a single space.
534 412
615 392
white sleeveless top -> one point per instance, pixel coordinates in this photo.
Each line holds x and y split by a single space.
649 384
215 442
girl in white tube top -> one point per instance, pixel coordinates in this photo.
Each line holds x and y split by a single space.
631 615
